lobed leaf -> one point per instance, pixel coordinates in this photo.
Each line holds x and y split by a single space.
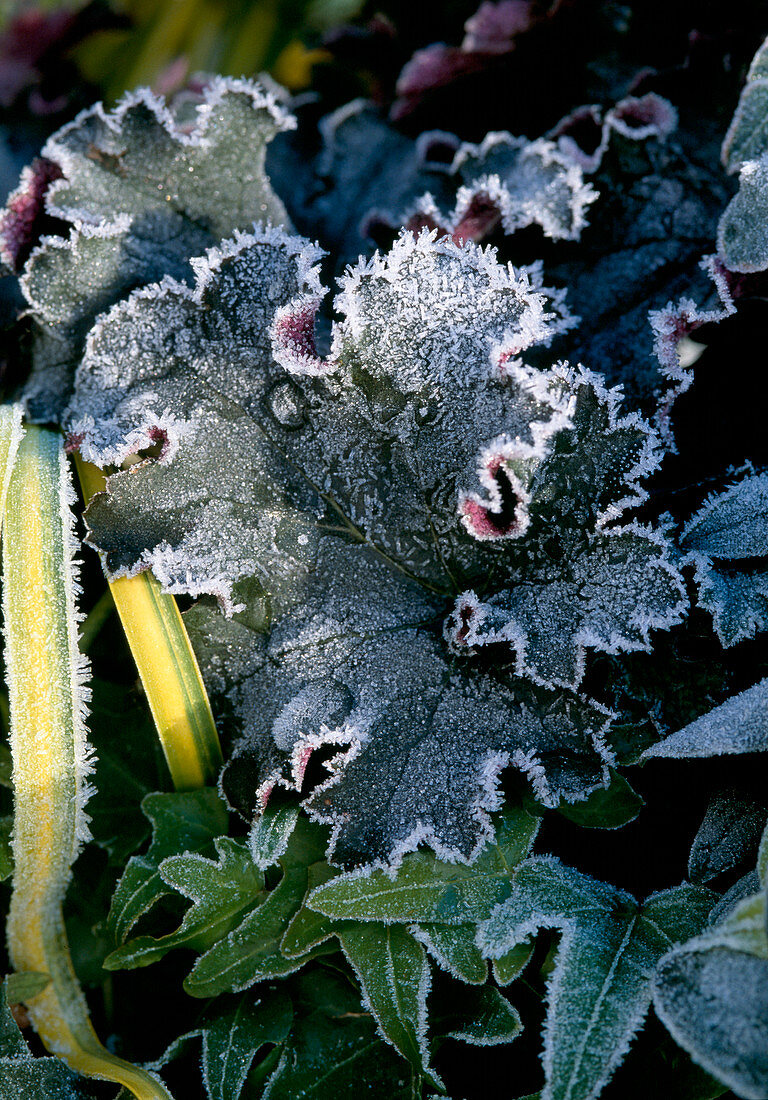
143 192
181 822
723 540
332 499
600 988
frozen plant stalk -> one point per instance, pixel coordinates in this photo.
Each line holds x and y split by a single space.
51 757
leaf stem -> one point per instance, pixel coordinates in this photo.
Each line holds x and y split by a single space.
167 666
51 758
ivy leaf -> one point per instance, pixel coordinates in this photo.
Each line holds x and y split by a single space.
723 540
143 193
250 952
333 1047
739 725
181 822
453 948
221 890
395 981
425 889
600 988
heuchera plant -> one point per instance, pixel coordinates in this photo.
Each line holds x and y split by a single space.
424 584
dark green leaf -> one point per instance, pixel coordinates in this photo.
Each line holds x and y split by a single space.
333 1050
181 822
611 808
600 990
221 890
395 981
426 889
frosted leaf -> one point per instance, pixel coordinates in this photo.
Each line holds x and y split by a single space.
715 1005
405 772
711 994
741 235
578 581
585 134
24 217
362 159
739 725
723 540
516 183
21 1074
368 432
729 833
600 989
334 507
143 194
747 137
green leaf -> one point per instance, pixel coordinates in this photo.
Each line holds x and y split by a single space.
250 953
333 1048
395 981
426 889
309 928
181 822
481 1017
512 963
21 1075
143 192
20 987
611 808
453 948
221 891
714 1001
600 989
233 1031
270 834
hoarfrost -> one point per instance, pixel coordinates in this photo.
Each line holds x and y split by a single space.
600 988
727 541
142 194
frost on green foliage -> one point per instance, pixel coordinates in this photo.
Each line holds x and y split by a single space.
600 988
233 1032
235 923
21 1074
730 831
727 540
343 510
515 183
741 237
739 725
142 192
712 995
747 136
